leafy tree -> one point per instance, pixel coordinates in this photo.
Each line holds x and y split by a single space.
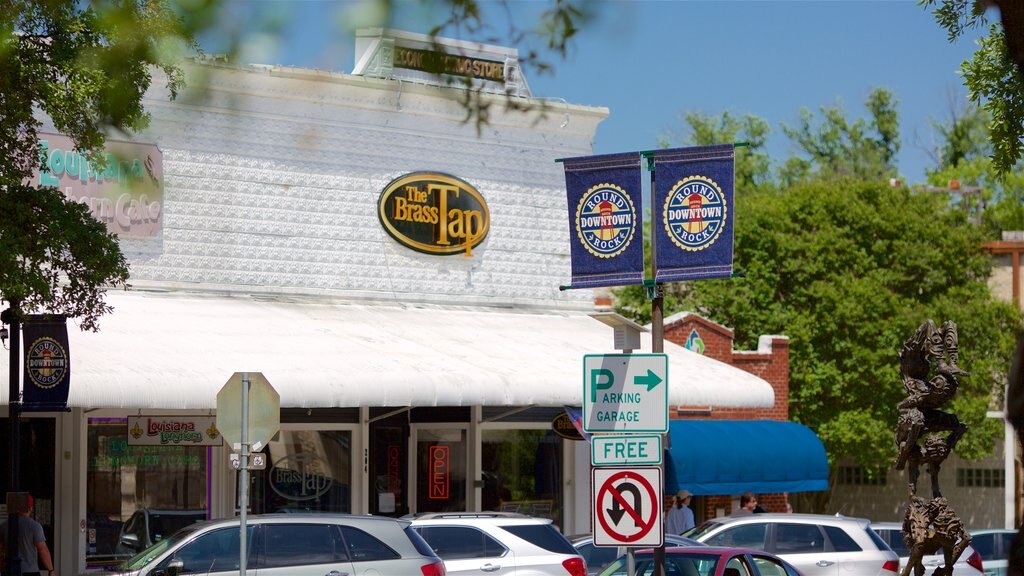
753 175
848 269
753 165
85 66
837 147
965 157
995 74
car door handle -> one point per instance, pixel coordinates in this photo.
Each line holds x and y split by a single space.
336 573
490 567
824 563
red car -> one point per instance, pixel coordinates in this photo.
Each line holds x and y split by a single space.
706 561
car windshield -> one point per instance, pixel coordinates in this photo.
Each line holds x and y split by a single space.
676 564
543 536
163 525
696 533
146 556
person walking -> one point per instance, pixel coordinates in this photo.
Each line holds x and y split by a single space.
680 516
748 502
31 544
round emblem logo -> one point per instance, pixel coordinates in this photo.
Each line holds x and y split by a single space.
47 362
605 220
695 213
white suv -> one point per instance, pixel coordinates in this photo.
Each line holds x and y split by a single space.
498 544
817 545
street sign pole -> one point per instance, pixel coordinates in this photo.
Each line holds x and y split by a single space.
656 295
234 419
243 476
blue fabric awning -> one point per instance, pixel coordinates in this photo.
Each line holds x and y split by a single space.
709 457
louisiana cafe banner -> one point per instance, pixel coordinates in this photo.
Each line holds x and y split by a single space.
605 231
47 363
693 212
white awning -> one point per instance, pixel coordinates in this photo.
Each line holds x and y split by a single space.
176 350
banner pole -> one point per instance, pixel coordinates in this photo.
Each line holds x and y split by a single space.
657 342
14 421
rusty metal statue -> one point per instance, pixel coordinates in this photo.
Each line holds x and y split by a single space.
930 525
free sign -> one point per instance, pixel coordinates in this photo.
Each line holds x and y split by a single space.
625 393
635 449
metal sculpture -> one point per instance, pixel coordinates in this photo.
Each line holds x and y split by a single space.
925 436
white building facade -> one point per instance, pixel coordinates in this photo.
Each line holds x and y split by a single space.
422 348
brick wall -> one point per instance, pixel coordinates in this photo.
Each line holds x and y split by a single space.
770 362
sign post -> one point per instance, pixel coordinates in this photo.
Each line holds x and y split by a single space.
243 415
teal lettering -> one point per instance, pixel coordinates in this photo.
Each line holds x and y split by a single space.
595 376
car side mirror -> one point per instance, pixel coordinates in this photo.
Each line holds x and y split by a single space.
131 541
174 567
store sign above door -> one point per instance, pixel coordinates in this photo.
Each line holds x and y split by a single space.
434 213
173 431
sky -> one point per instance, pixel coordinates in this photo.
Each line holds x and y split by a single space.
652 61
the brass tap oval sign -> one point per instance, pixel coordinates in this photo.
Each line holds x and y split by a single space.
434 213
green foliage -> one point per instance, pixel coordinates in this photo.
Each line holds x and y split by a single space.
64 263
838 148
753 165
991 75
965 158
848 269
994 83
86 66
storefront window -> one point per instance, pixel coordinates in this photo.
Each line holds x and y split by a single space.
388 467
441 466
154 489
522 472
307 470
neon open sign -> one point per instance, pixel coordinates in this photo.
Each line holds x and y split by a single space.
440 479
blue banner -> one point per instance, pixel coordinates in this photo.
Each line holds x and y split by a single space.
605 230
47 363
693 212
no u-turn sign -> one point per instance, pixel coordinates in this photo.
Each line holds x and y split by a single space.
627 507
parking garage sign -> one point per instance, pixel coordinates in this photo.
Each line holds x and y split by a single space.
625 393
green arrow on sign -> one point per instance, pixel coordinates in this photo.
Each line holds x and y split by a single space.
651 380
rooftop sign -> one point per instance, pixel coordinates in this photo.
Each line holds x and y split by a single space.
397 55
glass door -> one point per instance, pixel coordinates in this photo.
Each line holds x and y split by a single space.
441 459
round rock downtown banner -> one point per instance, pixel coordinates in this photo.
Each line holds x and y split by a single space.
603 194
47 363
694 191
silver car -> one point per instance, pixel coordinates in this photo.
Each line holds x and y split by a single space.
994 546
290 545
817 545
969 563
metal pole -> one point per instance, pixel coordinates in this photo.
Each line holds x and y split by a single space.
14 420
657 343
243 476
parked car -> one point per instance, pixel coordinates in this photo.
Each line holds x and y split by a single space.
289 545
498 544
968 564
148 526
994 547
817 545
705 561
599 557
